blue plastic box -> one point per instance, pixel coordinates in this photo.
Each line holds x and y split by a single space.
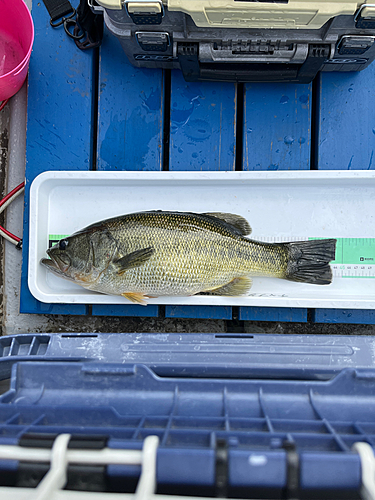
236 415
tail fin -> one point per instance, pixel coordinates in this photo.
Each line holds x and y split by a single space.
309 261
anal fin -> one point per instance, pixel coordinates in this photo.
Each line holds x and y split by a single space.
137 298
238 286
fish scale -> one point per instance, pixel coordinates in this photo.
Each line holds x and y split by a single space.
174 253
192 254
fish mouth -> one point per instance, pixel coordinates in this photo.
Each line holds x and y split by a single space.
56 263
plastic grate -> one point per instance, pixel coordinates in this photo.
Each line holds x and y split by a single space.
257 433
24 345
252 419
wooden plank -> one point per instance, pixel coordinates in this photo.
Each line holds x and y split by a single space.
202 137
276 136
130 112
288 314
353 316
130 129
346 121
203 120
58 125
346 141
199 312
277 126
125 310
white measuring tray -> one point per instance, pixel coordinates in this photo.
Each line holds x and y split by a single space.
280 206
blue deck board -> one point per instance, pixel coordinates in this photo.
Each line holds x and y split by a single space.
130 112
134 310
288 314
199 312
346 141
276 136
346 125
202 130
352 316
202 137
277 126
60 78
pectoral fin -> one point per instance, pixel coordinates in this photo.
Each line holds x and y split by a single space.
236 221
238 286
134 259
137 298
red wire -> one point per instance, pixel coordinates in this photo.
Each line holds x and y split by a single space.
16 238
3 104
4 200
14 191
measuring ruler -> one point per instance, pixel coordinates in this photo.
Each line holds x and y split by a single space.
355 257
55 238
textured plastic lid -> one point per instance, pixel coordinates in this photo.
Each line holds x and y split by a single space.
232 14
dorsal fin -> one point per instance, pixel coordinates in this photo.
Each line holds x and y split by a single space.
234 220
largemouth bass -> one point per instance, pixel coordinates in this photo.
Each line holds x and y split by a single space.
149 254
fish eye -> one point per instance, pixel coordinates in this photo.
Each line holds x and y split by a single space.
63 244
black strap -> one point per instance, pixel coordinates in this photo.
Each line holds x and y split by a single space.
293 471
221 468
58 9
91 25
86 30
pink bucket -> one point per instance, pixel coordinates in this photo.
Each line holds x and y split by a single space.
16 41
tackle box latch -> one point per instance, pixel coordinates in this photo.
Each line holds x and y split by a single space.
365 17
145 12
151 41
354 45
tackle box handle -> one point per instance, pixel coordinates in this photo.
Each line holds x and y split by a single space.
194 70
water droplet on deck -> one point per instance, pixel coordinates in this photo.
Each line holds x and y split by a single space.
288 139
284 99
197 130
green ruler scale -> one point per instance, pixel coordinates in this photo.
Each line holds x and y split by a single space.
355 258
54 238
